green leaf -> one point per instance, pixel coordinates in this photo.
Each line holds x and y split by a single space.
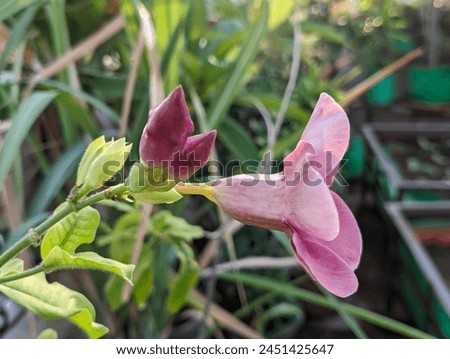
11 267
58 258
73 230
143 288
237 140
54 301
48 333
10 7
158 197
27 113
113 290
324 31
164 224
143 276
273 103
184 282
250 49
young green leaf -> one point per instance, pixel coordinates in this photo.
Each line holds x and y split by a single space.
92 152
72 231
53 301
101 161
58 258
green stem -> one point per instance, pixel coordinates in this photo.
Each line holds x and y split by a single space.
34 235
38 269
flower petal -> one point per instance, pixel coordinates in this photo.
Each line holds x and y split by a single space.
324 266
193 156
328 131
256 200
348 243
166 132
297 160
308 200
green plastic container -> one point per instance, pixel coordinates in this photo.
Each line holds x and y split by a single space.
431 85
383 93
356 158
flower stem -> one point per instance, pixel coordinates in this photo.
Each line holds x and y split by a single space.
38 269
33 237
202 189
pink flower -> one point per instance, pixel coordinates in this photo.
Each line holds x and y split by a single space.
167 143
324 234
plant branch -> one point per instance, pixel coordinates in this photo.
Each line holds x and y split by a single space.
293 75
33 236
76 53
252 263
131 83
364 86
38 269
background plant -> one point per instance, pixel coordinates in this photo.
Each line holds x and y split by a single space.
234 60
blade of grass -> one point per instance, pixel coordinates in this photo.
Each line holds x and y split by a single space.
273 103
10 7
346 317
27 113
224 318
167 17
55 179
57 85
250 48
22 229
17 35
60 40
17 70
237 140
289 290
79 114
38 152
131 83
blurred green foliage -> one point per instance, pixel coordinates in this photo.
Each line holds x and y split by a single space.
229 56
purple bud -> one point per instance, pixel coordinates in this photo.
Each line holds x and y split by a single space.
166 141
